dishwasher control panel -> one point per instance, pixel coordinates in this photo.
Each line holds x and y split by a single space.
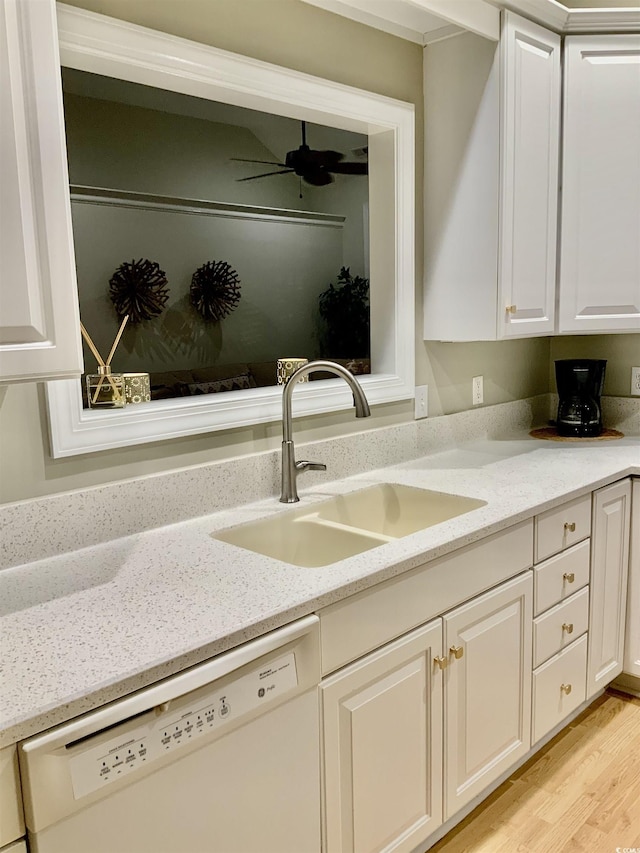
122 754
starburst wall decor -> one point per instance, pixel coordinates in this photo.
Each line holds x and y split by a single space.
215 290
139 289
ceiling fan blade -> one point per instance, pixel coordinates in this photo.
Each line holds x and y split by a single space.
349 168
266 162
265 175
318 177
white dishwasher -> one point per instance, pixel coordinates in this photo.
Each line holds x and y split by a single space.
222 758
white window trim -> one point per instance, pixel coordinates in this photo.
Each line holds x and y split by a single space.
95 43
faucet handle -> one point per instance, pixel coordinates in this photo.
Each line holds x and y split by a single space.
304 465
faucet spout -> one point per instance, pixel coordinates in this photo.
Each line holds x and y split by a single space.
291 469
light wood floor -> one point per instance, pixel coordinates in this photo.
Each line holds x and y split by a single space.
579 794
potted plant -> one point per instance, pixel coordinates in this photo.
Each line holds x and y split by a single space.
344 309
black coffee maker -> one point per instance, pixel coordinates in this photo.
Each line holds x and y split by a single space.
580 382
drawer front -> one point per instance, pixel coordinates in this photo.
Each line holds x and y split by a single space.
562 527
560 577
559 687
367 620
559 627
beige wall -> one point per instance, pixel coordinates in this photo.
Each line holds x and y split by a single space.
622 352
290 33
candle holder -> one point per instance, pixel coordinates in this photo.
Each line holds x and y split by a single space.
288 366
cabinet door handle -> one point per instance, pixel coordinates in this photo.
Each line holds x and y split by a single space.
566 688
511 309
440 661
569 577
570 526
456 651
568 627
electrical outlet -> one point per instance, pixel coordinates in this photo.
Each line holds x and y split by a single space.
477 390
421 401
635 381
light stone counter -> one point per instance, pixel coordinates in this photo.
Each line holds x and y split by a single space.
83 628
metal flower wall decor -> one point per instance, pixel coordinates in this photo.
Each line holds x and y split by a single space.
139 289
215 290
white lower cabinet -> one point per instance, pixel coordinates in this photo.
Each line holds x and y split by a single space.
383 747
487 709
609 572
632 639
384 718
558 688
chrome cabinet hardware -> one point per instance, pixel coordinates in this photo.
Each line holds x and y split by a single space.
569 577
456 651
568 627
566 688
440 661
570 526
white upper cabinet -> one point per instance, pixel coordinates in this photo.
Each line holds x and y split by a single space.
600 248
530 115
39 322
491 179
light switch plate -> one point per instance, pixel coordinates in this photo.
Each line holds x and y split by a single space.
635 381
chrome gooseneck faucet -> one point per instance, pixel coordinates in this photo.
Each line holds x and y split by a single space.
291 468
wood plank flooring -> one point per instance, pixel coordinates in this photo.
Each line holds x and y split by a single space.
579 794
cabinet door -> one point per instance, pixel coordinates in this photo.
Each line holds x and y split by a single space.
632 640
39 329
600 248
383 747
530 131
487 716
609 570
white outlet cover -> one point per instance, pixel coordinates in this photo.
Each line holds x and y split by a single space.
635 381
477 390
422 401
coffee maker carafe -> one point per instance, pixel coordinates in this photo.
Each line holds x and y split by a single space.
580 382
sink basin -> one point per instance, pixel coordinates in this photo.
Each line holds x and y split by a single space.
393 510
341 527
300 540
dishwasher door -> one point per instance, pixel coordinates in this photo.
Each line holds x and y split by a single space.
223 758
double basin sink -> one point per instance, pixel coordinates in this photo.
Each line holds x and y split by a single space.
340 527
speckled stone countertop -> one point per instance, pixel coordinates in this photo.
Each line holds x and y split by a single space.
81 629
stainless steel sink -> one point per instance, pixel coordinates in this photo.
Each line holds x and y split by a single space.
341 527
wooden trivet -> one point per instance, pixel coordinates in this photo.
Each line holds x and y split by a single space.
551 434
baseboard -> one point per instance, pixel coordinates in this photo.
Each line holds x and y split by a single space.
626 683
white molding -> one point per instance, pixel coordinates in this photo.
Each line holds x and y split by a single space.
603 20
418 20
93 42
401 17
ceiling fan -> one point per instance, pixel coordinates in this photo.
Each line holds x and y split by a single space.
314 167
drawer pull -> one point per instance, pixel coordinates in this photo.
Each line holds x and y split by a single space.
456 651
569 577
440 661
570 526
566 688
568 627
